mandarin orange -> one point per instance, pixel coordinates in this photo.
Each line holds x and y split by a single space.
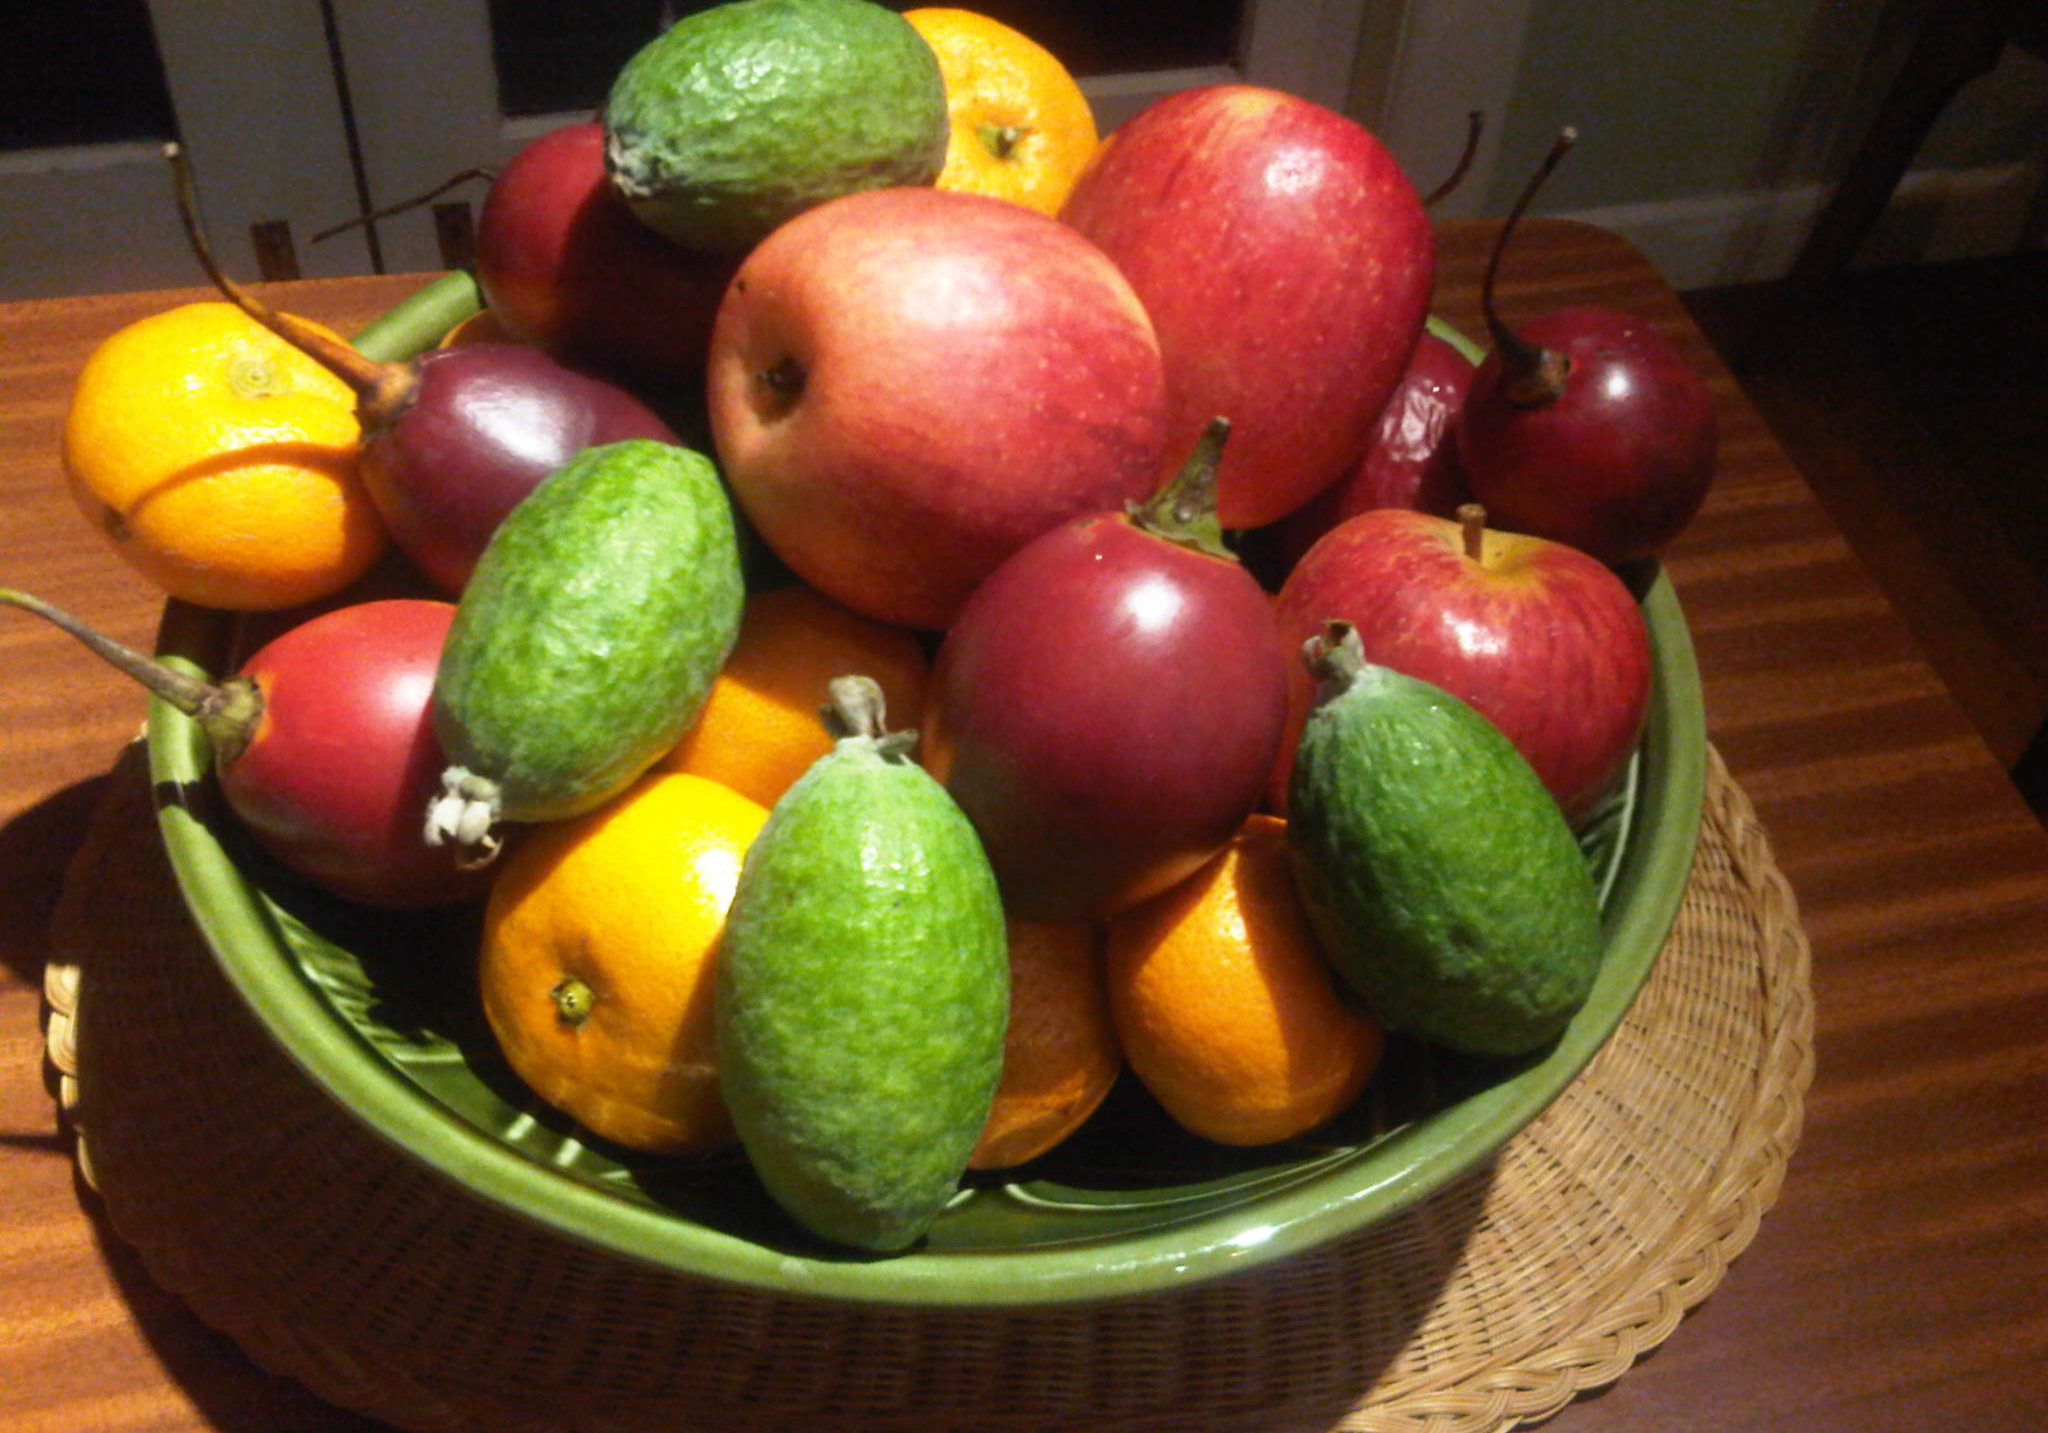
1225 1005
759 730
1060 1052
599 941
1021 128
220 461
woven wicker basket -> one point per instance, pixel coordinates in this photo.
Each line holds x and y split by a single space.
333 1258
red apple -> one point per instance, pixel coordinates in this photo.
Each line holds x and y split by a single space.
565 265
1410 463
1286 262
1545 641
907 385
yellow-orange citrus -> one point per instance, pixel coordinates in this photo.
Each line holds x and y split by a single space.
759 730
1060 1053
1021 128
220 461
483 326
1228 1010
599 941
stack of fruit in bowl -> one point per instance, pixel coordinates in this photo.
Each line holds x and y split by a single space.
867 779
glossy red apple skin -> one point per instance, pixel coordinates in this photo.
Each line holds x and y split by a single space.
1106 714
1618 464
907 385
1286 261
1412 461
564 264
1545 641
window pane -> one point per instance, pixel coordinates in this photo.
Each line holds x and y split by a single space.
553 57
83 73
1106 37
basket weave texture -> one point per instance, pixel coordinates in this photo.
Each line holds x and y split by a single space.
335 1259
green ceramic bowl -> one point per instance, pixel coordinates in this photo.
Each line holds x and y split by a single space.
379 1011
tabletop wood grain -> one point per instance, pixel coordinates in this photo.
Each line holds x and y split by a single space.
1897 1283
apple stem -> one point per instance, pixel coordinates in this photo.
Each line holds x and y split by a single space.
1472 522
1183 511
856 709
1531 375
382 389
227 711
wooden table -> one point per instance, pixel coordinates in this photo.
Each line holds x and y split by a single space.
1897 1284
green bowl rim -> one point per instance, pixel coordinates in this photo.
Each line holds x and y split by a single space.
1409 1165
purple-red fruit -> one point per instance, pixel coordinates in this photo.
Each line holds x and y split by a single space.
482 425
1614 458
455 438
323 744
1586 426
1109 703
342 757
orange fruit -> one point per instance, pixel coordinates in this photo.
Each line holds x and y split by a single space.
1021 128
598 948
1060 1054
760 730
220 461
483 326
1226 1007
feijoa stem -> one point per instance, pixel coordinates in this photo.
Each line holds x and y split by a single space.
1531 375
855 709
465 816
1334 657
226 711
1184 510
382 389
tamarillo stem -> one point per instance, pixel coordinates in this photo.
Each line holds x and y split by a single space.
1531 375
226 711
382 389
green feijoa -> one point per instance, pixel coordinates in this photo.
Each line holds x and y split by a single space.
1439 874
586 640
741 116
863 989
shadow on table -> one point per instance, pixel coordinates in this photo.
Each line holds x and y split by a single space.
35 847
